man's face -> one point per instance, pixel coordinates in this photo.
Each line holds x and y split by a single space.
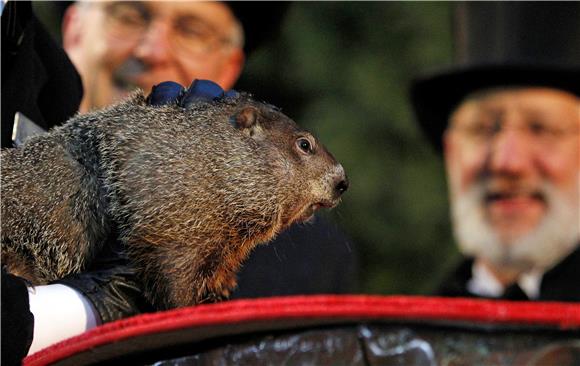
117 46
513 164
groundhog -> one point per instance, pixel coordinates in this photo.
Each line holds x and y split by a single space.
190 190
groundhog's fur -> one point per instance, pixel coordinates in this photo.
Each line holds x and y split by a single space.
191 192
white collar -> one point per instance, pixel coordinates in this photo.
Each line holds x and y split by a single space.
484 283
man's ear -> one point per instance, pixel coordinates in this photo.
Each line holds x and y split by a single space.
71 28
232 69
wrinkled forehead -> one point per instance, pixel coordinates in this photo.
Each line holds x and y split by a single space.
213 13
525 99
522 96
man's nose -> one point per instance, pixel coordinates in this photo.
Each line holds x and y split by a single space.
153 46
510 152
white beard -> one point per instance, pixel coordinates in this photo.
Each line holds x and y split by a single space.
557 234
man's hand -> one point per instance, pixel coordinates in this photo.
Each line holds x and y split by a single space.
110 285
199 90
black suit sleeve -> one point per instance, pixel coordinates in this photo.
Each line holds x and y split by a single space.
17 320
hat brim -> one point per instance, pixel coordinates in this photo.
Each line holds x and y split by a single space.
261 20
434 98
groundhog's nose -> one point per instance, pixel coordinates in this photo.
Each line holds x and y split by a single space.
341 187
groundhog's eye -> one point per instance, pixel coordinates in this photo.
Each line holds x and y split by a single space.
304 145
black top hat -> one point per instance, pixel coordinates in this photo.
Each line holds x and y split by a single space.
501 44
261 20
434 98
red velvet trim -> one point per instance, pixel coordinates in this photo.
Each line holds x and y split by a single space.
417 309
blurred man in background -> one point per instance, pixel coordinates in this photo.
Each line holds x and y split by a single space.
507 122
119 46
510 137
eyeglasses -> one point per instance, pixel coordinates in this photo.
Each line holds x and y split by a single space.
542 130
190 34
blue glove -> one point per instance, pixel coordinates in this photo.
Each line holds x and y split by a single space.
199 91
164 93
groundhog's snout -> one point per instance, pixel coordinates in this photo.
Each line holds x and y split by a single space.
341 186
338 183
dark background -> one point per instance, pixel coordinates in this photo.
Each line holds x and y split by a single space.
343 70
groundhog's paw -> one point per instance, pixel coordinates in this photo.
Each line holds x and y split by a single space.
213 297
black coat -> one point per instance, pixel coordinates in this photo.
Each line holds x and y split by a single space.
561 283
38 79
305 259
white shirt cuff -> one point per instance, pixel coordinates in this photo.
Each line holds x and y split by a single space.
60 312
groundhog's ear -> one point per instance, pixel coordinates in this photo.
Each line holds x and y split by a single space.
247 121
246 118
